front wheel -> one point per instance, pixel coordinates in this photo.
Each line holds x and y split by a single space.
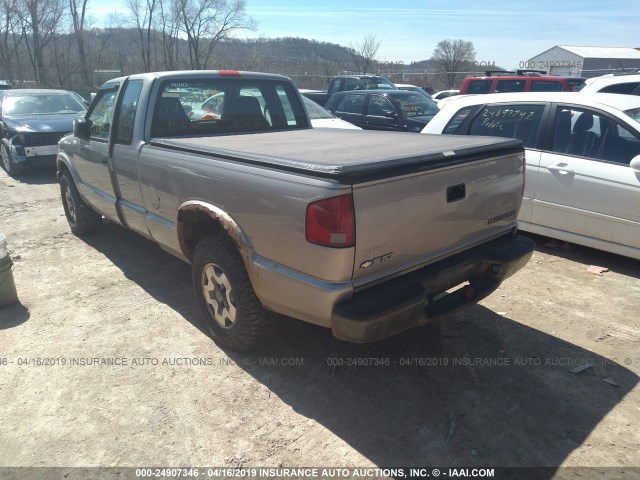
81 217
11 167
232 312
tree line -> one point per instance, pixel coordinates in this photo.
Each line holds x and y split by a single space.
55 43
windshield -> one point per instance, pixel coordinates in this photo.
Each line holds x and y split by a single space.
377 83
41 104
634 113
315 111
416 105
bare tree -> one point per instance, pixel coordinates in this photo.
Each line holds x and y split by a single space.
364 52
10 39
452 58
78 11
207 22
143 11
170 27
39 20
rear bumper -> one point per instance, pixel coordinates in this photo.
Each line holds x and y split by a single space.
421 296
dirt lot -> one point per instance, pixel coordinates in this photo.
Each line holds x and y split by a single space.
488 387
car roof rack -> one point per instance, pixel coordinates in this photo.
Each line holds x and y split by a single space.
533 73
491 73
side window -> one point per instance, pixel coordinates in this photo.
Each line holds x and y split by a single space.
379 106
128 109
479 86
351 104
335 85
545 86
589 134
513 121
510 86
626 88
454 124
100 116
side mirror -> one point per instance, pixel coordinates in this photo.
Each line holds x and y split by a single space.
635 163
81 128
390 114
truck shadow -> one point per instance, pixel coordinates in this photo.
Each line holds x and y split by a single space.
38 176
476 390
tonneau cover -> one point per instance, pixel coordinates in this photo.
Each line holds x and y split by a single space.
344 153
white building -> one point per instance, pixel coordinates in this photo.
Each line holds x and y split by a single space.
585 61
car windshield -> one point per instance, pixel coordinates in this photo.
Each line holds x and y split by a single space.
315 111
634 113
41 104
416 105
378 83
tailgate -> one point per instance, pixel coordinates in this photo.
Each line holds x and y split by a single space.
405 222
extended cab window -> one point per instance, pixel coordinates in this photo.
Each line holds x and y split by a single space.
226 105
513 121
128 109
101 114
351 104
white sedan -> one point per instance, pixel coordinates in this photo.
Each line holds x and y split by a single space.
582 155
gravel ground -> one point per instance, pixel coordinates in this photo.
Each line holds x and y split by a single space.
488 387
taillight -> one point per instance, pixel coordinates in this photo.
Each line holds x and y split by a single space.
229 73
331 222
524 172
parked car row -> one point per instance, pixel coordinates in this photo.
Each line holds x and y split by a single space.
583 150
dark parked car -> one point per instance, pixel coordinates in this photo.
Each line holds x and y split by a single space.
31 124
383 109
5 86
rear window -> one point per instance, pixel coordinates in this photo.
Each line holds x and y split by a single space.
221 105
513 121
454 124
634 113
376 83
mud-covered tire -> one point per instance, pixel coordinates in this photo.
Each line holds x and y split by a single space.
82 219
231 311
12 168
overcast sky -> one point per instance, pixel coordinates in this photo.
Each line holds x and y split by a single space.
503 31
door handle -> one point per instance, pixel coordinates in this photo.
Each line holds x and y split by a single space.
560 168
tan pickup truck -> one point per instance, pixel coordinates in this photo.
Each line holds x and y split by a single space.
366 233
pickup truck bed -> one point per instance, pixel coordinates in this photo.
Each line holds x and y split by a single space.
345 157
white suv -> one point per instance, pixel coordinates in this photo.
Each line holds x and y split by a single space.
628 84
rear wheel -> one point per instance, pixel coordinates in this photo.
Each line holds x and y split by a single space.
81 217
232 312
11 167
